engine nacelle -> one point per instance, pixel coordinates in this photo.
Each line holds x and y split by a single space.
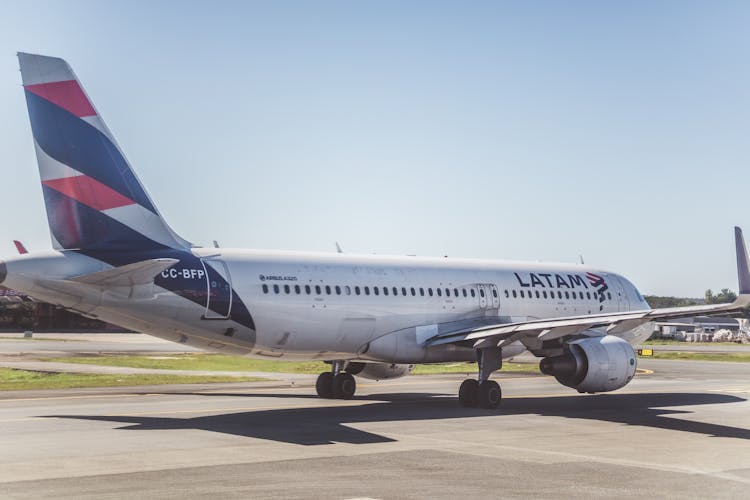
596 364
378 371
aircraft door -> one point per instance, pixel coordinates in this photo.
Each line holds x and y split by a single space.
483 291
621 294
219 285
494 296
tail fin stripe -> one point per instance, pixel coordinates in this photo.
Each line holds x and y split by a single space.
66 94
77 226
88 191
83 148
144 222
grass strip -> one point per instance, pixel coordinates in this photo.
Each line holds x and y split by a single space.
207 362
702 356
682 343
16 380
221 362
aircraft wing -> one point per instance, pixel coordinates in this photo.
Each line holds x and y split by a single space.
138 273
552 328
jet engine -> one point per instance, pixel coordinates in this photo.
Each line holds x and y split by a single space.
594 364
378 371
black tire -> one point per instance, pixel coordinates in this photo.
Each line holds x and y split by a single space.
344 386
467 393
324 385
489 394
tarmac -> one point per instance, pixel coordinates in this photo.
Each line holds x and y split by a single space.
680 429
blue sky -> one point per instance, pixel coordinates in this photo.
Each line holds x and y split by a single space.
519 130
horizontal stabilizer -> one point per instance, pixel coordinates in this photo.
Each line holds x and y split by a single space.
138 273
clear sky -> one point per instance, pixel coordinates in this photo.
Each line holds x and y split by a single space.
520 130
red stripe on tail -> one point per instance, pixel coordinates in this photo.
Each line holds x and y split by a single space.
66 94
89 191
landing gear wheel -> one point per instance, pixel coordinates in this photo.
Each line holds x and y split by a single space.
344 386
468 393
489 394
324 385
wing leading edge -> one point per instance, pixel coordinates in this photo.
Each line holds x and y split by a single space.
548 329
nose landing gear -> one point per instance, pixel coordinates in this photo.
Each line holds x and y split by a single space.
337 383
483 392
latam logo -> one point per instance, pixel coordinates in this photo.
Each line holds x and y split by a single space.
567 281
598 283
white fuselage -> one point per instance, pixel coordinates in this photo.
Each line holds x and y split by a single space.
333 306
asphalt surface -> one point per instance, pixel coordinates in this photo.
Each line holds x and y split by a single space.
681 431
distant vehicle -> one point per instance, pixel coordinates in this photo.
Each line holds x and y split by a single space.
116 259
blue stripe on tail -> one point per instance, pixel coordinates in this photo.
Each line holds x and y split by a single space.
73 142
74 226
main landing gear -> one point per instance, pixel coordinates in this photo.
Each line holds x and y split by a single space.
483 392
337 383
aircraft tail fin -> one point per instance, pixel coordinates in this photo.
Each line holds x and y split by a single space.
93 198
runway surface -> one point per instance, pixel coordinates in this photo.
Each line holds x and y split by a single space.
681 431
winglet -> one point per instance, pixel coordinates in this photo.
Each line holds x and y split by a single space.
743 268
20 247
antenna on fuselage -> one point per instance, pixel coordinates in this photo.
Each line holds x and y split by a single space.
338 248
216 244
580 257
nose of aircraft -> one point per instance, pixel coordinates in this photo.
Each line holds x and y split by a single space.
3 271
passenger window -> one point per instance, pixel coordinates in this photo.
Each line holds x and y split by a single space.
421 292
317 289
296 289
429 290
494 293
544 293
338 290
567 296
395 292
447 292
367 290
286 289
356 290
588 295
347 290
265 288
413 292
474 293
481 292
559 294
276 289
439 292
465 294
609 296
537 294
307 289
403 291
328 290
455 292
376 290
522 295
385 290
515 295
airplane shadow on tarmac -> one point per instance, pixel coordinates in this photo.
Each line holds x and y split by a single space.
329 424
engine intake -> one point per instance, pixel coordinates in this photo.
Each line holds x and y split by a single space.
595 364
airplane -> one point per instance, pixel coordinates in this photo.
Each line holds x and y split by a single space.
116 259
